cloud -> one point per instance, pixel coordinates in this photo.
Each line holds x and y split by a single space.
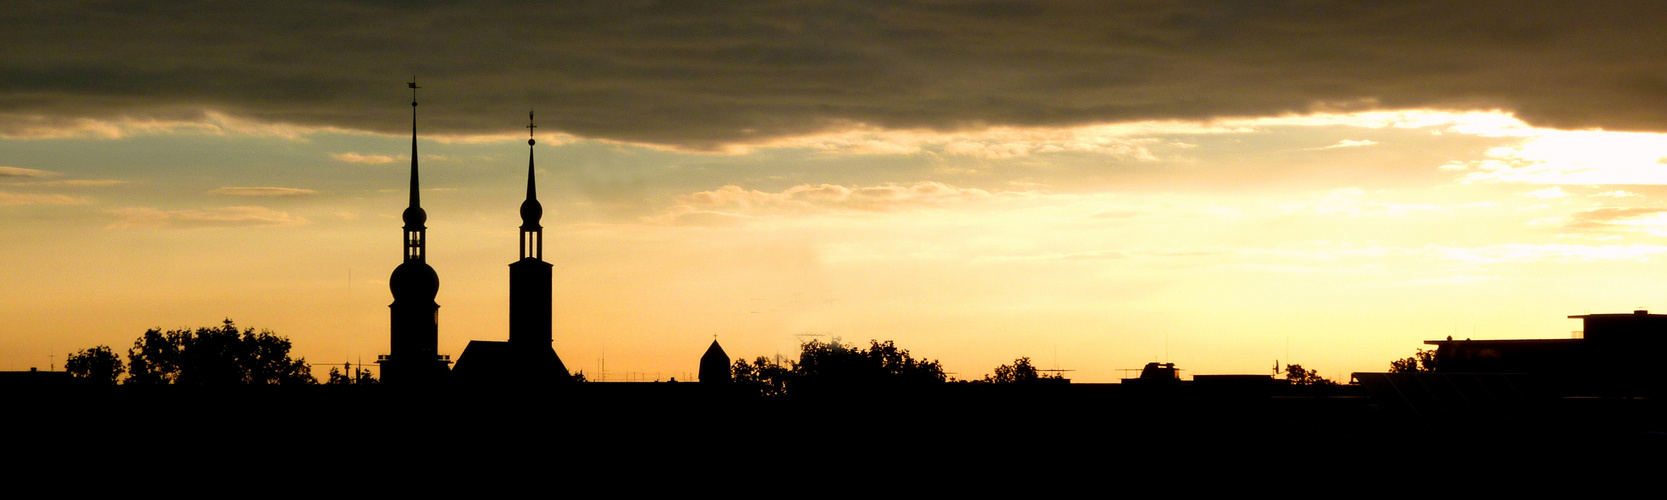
1478 255
1455 280
1120 140
878 197
16 199
263 191
750 72
368 159
1523 253
1617 194
170 118
1350 143
733 204
6 172
688 216
1613 218
1349 202
1572 157
221 217
24 172
70 183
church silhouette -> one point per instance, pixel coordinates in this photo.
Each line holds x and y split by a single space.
413 357
527 358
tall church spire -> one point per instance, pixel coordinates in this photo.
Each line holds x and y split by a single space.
413 341
415 217
528 357
532 234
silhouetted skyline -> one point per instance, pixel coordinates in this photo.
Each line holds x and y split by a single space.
526 358
1093 187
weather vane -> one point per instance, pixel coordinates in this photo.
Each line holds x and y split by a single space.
530 126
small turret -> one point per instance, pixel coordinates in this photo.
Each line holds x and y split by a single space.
714 365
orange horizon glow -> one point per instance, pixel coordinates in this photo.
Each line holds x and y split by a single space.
1338 241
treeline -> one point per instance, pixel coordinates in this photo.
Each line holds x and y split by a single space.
227 356
833 365
207 356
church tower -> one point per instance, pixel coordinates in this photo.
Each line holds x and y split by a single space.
414 340
527 359
530 285
529 277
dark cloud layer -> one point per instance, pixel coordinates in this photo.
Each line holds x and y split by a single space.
701 74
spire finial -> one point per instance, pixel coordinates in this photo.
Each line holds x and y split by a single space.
415 199
532 193
414 215
531 210
532 235
530 126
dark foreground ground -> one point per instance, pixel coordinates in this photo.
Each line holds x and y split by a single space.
664 437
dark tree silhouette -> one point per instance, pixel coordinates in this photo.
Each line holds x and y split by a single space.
1299 376
1021 371
215 357
881 363
836 364
763 376
1422 361
99 365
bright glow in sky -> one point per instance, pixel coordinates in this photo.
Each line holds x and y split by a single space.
1339 241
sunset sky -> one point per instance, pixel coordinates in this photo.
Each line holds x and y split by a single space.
1218 184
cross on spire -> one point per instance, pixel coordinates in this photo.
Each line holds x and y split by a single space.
414 215
532 234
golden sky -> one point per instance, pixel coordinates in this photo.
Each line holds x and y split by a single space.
1196 184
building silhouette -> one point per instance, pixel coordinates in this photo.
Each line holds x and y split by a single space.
1616 353
413 357
527 357
714 365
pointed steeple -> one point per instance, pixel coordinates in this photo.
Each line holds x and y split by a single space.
529 289
413 331
414 215
714 365
532 189
416 201
532 234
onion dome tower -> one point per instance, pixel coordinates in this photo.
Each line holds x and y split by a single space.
413 340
